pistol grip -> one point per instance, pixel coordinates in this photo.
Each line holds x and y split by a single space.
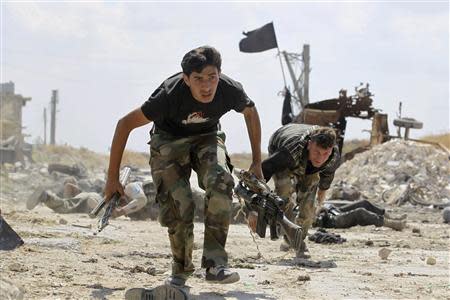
273 231
261 223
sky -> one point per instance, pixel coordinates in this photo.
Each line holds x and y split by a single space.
105 58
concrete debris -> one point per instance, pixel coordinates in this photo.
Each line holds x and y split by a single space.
431 261
17 267
384 253
446 215
398 172
19 183
141 269
303 278
369 243
345 191
78 170
325 264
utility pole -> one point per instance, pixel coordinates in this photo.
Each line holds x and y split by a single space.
45 126
53 116
306 71
295 82
300 81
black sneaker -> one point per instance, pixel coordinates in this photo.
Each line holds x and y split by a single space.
220 274
162 292
176 281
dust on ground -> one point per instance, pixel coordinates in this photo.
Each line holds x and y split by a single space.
63 259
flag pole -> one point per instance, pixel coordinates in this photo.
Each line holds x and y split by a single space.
281 64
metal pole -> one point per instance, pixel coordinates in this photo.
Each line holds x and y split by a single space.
297 88
306 72
45 126
53 116
282 70
399 132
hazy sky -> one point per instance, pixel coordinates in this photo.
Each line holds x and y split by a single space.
106 58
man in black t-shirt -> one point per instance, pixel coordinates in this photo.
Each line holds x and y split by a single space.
186 109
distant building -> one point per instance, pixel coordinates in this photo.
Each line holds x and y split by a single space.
11 136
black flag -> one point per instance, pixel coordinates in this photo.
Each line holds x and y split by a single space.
259 40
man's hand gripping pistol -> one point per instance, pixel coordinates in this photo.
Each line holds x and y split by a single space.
113 203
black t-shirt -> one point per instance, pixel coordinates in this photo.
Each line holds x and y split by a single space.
173 109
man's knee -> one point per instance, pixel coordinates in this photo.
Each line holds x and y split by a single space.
218 209
218 180
175 211
359 212
284 191
283 185
180 228
166 217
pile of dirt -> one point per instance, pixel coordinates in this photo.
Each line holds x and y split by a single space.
397 172
18 180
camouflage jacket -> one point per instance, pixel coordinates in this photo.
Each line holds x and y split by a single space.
293 138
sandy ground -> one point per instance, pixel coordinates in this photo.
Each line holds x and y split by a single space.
62 259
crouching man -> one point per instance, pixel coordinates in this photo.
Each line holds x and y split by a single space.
302 161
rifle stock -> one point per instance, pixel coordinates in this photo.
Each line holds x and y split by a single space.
293 232
258 197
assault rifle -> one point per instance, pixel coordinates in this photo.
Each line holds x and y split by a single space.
113 203
258 197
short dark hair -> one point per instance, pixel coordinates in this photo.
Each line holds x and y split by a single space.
324 137
197 59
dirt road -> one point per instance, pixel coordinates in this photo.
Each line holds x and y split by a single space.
62 259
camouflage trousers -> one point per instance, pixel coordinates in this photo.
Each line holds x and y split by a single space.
304 187
171 161
81 203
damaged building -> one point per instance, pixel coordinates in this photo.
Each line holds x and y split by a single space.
12 145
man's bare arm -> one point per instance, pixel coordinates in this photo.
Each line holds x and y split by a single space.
254 132
320 199
125 125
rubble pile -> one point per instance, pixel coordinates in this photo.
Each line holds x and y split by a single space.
397 172
20 180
